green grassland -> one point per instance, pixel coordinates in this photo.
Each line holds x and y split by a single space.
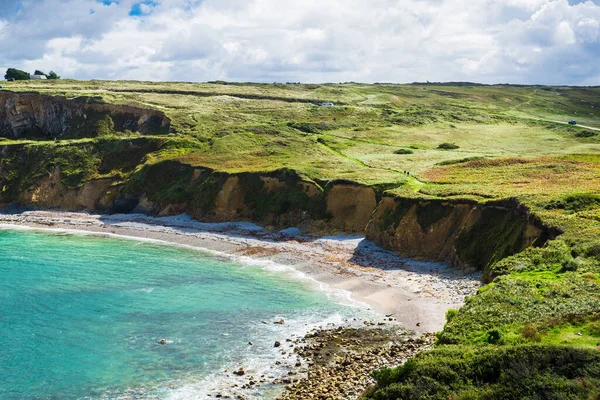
540 309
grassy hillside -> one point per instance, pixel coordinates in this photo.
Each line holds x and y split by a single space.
540 310
243 127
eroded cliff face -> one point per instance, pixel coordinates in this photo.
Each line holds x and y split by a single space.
350 206
51 192
32 115
278 199
467 235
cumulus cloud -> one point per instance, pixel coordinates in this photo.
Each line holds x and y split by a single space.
517 41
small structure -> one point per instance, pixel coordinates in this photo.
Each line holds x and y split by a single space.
572 122
38 77
326 104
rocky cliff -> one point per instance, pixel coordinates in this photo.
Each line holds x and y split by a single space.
109 176
465 234
32 115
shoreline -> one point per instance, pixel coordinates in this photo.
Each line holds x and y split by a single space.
417 294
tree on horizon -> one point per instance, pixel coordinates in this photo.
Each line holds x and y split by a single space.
16 75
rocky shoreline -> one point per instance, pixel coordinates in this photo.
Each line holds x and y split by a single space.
341 360
334 363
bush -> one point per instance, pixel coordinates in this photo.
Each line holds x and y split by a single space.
530 332
570 265
448 146
575 202
450 314
494 336
491 372
460 161
53 75
308 127
586 134
593 250
13 74
404 151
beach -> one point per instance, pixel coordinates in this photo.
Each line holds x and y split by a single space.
416 294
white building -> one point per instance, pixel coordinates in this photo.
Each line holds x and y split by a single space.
42 77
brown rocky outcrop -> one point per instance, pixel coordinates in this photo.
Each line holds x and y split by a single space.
50 192
350 206
32 115
466 234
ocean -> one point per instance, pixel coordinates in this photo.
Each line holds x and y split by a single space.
81 317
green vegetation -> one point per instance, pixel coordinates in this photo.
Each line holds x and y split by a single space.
448 146
517 372
404 151
531 332
13 74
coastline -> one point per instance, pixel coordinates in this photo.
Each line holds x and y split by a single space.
416 294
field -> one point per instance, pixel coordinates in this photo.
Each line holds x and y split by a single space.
456 142
243 127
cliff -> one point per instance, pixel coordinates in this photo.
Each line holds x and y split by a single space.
32 115
464 234
109 176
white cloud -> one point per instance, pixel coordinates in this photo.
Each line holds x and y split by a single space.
588 30
516 41
146 8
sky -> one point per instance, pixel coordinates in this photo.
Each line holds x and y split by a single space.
489 41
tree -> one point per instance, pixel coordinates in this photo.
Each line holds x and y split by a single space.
38 72
53 75
16 75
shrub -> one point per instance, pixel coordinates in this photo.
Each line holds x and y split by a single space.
530 332
575 202
448 146
494 336
593 328
53 75
593 250
450 314
585 134
507 372
308 127
570 265
404 151
460 161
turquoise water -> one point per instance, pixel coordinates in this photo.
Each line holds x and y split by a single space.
81 317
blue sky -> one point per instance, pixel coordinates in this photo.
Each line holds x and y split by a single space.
490 41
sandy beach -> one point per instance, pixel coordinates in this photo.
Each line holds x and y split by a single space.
416 294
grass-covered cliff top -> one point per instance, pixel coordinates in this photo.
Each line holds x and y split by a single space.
480 143
252 127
